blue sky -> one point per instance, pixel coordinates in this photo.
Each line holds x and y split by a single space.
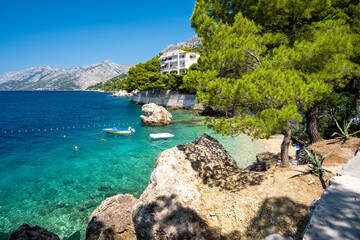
78 33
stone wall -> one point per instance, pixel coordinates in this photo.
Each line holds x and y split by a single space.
167 98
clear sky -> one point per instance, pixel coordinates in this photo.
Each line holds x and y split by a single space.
82 32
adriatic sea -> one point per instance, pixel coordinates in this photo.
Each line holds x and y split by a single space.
45 181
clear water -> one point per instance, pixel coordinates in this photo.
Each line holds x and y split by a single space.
44 181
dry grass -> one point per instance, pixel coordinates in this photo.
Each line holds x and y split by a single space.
279 202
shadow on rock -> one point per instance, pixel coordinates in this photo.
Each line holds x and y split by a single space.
216 167
276 216
166 218
25 232
94 229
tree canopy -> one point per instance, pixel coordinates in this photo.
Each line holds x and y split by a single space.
144 76
265 62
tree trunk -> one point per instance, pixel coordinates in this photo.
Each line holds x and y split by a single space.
354 87
311 126
285 146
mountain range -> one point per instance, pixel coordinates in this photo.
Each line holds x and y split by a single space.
51 78
79 78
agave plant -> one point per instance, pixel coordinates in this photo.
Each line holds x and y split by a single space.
344 132
316 163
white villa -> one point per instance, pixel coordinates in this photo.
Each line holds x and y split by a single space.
177 61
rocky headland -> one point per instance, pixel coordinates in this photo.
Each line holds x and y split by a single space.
124 93
197 191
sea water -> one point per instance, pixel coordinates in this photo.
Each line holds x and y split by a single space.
46 181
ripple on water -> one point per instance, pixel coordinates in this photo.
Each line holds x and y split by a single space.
45 182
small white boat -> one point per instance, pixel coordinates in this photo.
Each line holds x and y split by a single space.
156 136
117 130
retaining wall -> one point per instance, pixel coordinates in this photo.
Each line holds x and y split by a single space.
167 98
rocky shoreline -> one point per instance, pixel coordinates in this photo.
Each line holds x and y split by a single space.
197 191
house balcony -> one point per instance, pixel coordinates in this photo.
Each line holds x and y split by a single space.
169 68
169 61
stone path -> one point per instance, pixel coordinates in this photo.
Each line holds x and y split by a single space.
338 214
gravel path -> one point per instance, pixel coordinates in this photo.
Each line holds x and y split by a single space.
338 214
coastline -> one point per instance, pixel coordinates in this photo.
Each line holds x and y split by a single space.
83 178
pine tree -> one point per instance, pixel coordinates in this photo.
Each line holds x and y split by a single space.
263 68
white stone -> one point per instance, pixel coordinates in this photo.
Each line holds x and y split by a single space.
155 115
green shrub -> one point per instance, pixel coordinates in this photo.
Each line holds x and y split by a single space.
344 132
316 163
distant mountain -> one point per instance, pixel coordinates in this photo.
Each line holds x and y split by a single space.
51 78
193 42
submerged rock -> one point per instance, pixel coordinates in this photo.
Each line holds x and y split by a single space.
112 219
25 232
155 115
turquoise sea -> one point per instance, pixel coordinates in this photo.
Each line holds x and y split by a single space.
44 181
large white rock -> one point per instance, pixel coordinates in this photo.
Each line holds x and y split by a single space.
122 93
155 115
179 202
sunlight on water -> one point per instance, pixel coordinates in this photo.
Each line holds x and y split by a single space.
45 181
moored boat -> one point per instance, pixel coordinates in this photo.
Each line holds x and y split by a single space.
117 130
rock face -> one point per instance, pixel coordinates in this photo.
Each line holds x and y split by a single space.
124 93
51 78
25 232
197 191
155 115
112 219
121 93
193 42
177 202
265 161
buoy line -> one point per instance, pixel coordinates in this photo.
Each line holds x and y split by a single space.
53 129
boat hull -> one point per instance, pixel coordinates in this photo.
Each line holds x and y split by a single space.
109 130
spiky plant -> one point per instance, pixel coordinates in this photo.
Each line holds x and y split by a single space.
344 132
316 163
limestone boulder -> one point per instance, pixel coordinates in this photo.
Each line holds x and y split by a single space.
25 232
112 219
155 115
266 160
182 200
134 92
122 93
